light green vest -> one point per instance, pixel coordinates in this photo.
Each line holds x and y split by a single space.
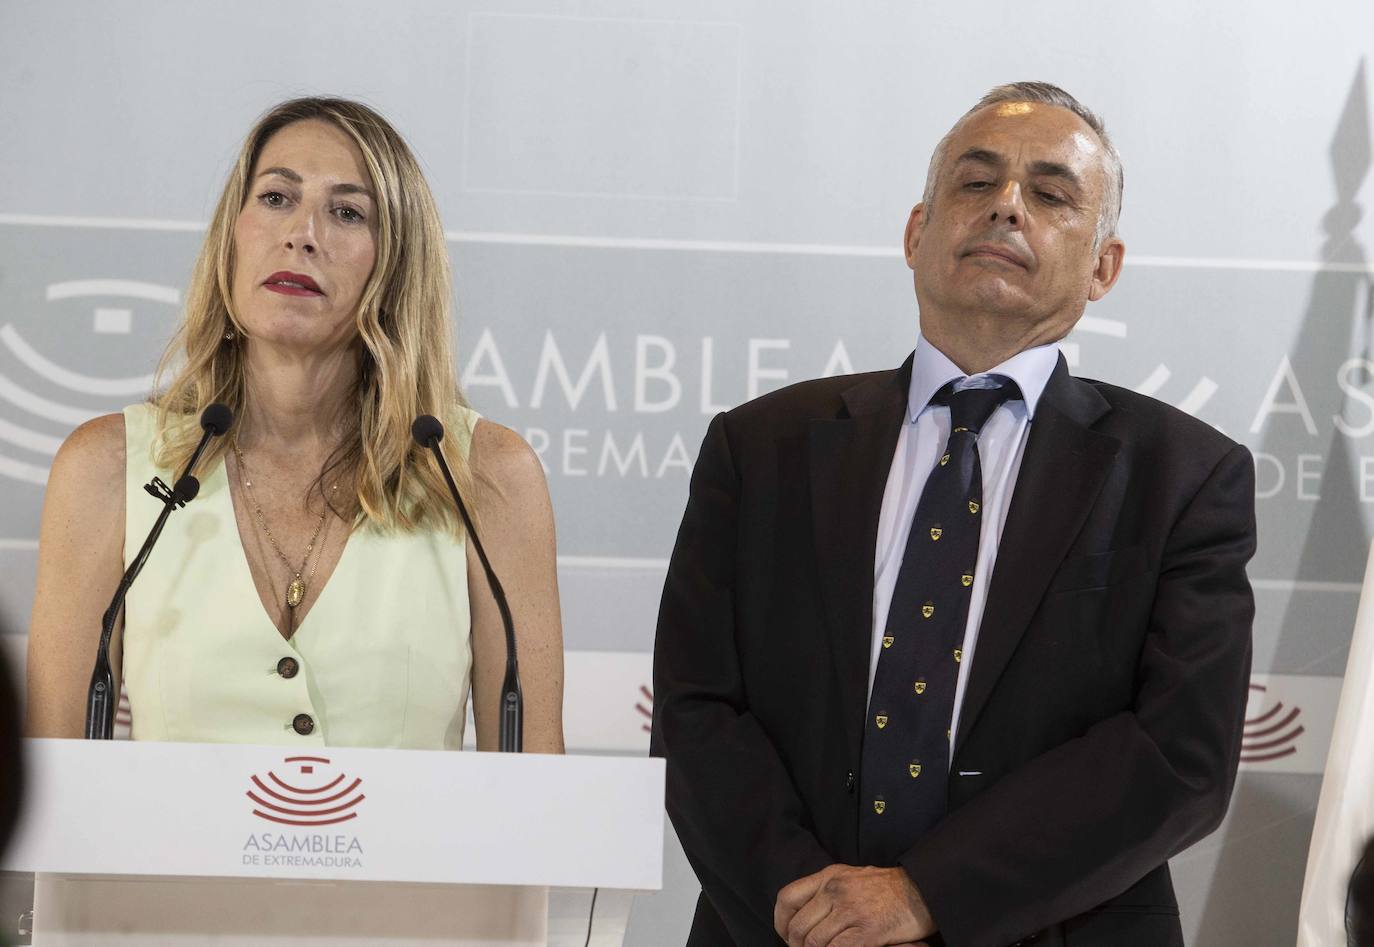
383 656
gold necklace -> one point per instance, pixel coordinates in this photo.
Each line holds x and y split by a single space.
295 591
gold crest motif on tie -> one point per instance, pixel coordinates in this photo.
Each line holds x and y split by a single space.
927 610
914 769
920 687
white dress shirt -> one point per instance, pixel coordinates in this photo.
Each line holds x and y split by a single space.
925 433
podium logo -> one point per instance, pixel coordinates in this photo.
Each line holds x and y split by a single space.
645 708
309 795
1272 733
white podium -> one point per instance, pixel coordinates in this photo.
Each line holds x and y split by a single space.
191 844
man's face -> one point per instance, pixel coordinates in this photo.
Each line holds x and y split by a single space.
1011 226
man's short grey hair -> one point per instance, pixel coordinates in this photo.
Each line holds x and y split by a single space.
1045 94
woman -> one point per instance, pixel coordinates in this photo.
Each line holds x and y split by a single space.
320 589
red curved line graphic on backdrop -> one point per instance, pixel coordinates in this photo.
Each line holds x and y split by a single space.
1251 721
272 818
1265 757
347 805
307 759
1292 715
307 802
289 788
1286 738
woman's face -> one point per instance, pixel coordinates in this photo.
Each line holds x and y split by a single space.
305 240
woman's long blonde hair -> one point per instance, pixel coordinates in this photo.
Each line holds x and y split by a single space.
403 320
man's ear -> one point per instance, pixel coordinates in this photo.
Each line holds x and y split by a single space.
1110 256
912 239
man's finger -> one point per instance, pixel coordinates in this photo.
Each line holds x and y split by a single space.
849 937
837 930
794 896
802 923
800 891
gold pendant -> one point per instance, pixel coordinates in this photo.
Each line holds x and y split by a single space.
295 592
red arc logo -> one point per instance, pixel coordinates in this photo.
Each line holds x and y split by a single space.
310 797
647 712
1272 735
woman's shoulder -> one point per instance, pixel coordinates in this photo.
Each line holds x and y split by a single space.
99 442
90 463
500 457
511 496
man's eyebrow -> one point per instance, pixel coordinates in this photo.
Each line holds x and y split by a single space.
982 156
1055 169
295 178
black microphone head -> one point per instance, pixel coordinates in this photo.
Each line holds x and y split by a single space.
427 430
216 418
188 486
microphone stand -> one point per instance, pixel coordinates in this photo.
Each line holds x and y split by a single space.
100 703
428 432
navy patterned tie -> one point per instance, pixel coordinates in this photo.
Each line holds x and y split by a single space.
905 764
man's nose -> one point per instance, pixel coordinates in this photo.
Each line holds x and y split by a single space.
1008 206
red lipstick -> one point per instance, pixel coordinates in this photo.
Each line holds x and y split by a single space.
292 284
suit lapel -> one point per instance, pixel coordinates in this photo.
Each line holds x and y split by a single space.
1063 469
849 462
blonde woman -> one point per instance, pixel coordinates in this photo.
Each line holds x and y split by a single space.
320 589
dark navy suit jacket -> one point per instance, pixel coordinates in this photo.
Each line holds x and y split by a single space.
1105 702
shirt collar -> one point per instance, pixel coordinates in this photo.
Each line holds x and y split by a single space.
931 370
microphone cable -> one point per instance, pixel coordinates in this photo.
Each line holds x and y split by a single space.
590 914
428 432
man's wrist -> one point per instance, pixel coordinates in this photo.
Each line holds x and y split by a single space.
916 900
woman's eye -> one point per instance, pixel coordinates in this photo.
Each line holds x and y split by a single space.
349 215
272 198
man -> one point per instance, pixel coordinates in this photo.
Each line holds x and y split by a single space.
1359 906
11 760
959 653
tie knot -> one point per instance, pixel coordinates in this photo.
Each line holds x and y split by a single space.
970 408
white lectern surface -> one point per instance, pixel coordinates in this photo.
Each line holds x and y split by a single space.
125 808
161 843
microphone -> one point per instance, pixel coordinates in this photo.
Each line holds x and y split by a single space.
428 432
100 705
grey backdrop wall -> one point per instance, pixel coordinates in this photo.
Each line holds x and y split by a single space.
656 211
